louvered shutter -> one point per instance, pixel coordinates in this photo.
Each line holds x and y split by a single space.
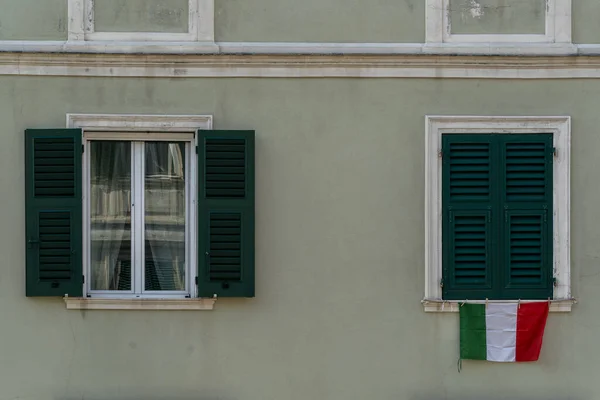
53 207
527 223
468 216
226 213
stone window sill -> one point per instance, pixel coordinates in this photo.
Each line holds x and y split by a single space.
82 303
436 306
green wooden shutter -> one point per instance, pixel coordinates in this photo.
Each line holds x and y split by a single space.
53 208
226 213
468 218
526 197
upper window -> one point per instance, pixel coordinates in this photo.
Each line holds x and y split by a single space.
151 210
497 209
498 21
141 20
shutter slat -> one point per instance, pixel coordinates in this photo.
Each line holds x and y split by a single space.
469 259
224 258
469 178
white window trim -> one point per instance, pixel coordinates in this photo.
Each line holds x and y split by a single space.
200 25
148 125
560 127
558 26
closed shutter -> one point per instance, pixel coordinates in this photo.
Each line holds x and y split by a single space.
226 213
527 224
53 207
468 217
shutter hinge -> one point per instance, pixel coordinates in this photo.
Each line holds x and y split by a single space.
196 280
554 152
196 149
440 154
554 282
442 282
83 279
82 148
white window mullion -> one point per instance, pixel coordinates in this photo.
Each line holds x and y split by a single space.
137 217
87 248
141 174
191 221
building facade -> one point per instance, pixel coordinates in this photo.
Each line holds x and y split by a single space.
289 200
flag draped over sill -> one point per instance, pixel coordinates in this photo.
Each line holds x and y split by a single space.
502 332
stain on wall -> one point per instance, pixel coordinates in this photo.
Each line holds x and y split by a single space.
497 16
141 16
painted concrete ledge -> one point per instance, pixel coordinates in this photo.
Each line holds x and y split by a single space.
299 66
435 306
114 47
82 303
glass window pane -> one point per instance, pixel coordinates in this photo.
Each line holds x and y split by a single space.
164 197
110 212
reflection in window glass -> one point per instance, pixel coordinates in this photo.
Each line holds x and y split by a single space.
164 216
110 212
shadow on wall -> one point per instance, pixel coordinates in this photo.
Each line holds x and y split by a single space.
485 396
145 397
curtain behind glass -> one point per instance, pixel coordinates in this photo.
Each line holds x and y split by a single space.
164 198
110 213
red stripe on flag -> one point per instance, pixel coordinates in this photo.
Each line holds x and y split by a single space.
531 322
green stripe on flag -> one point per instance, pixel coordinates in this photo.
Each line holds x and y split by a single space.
472 332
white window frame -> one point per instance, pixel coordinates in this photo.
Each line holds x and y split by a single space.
142 127
138 272
557 26
560 127
200 25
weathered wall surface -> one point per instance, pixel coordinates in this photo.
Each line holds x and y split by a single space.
340 264
141 16
497 16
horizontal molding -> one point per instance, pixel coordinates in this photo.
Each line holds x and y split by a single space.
299 66
184 47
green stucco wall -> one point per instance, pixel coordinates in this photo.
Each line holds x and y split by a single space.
320 21
33 19
340 264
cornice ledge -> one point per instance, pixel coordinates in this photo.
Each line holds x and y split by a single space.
181 48
298 66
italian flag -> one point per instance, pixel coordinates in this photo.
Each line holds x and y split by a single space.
502 332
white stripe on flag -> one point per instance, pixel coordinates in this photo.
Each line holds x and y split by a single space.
501 331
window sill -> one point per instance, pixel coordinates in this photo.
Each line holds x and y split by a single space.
437 306
82 303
